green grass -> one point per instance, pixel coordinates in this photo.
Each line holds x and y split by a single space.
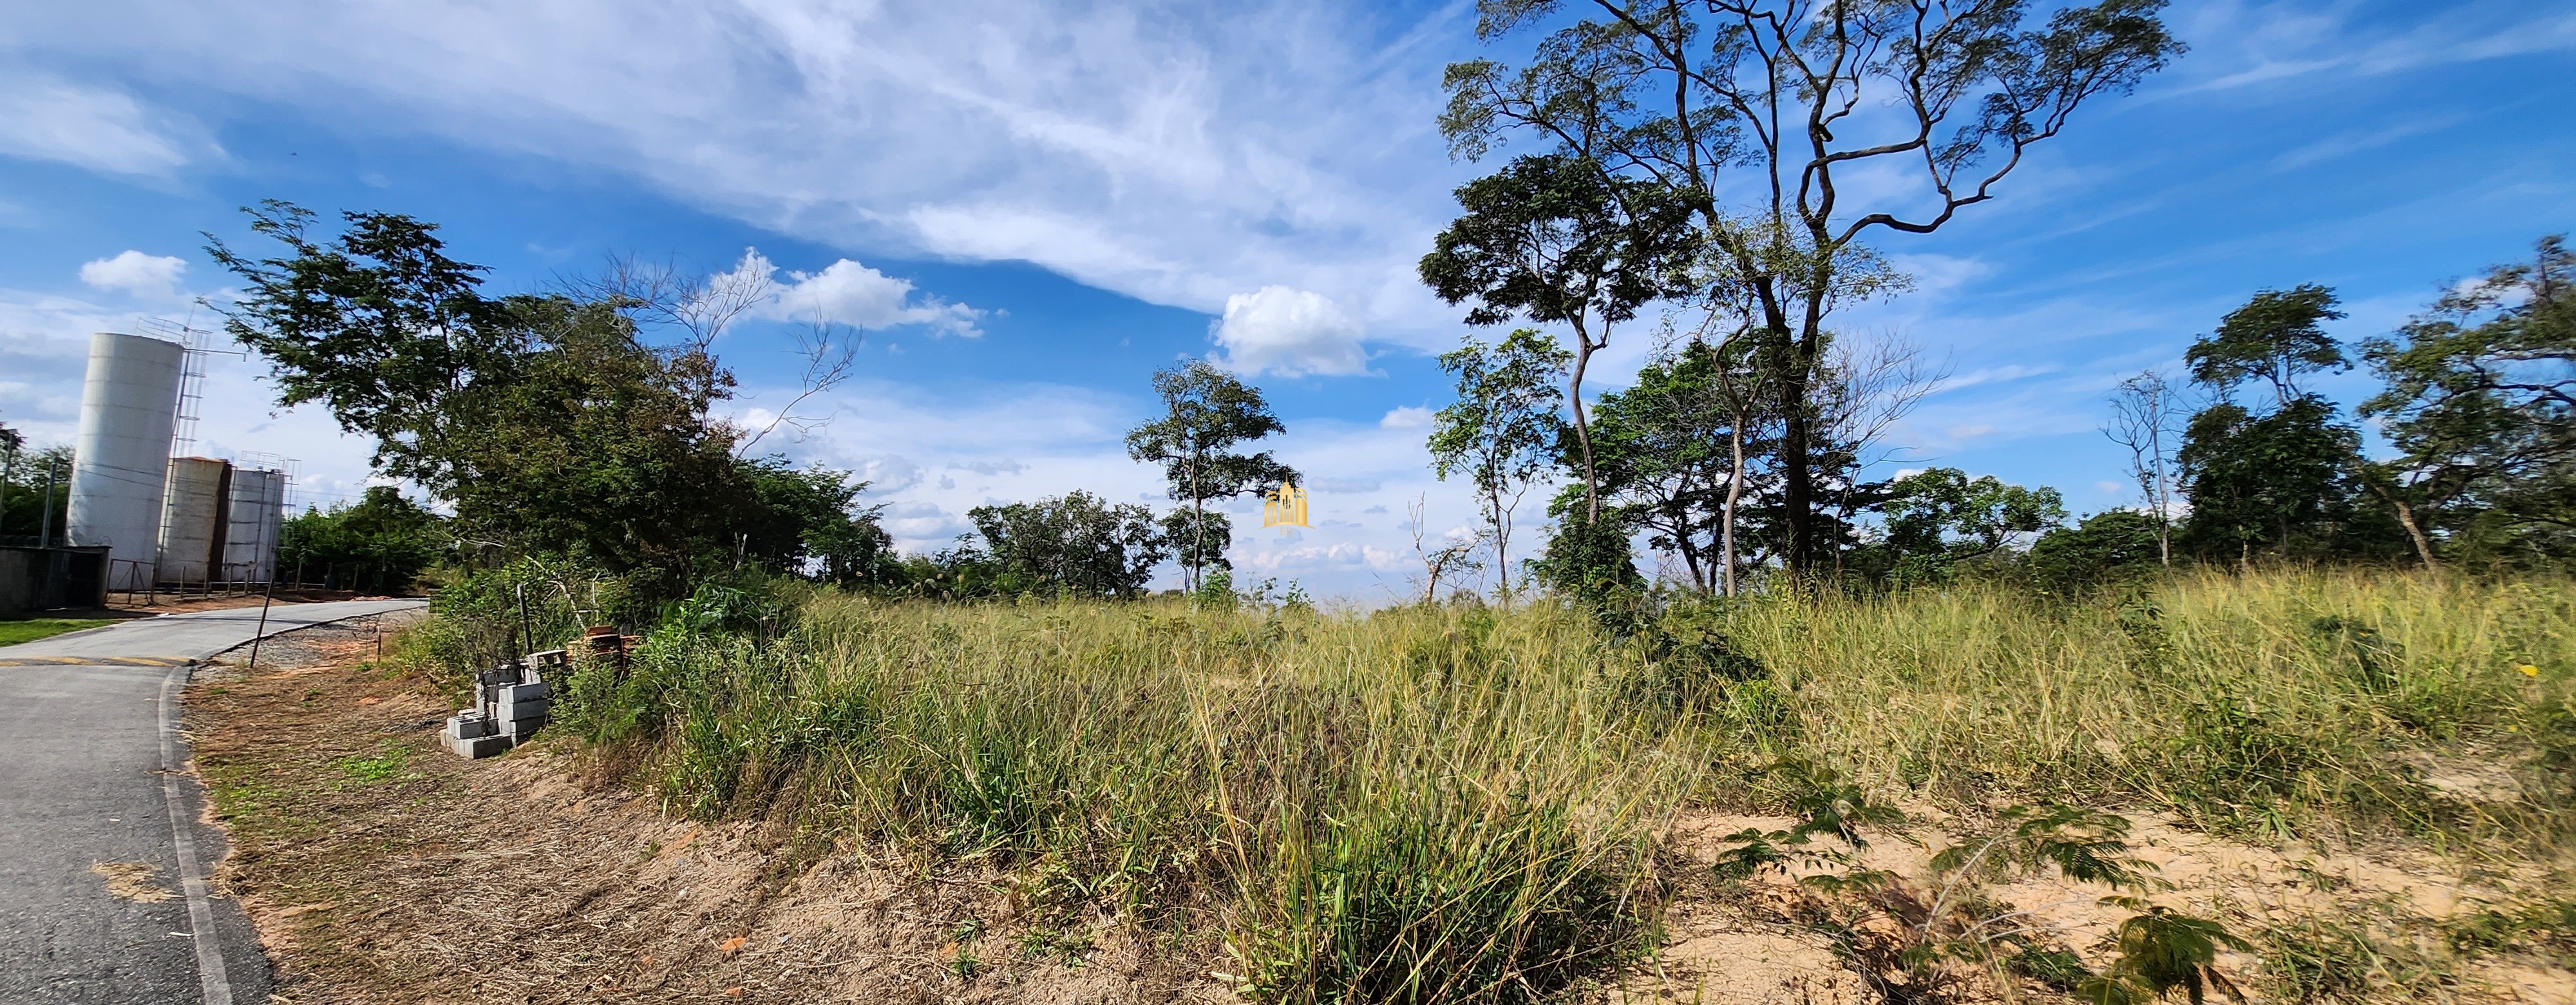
14 630
2272 704
1461 804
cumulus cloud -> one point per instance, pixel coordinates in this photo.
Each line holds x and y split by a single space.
844 292
42 118
136 273
1406 417
1289 332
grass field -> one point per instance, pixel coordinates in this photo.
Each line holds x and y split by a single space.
14 630
1462 803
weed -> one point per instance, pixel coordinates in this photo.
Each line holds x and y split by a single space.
1903 938
384 767
2544 926
1461 803
2352 956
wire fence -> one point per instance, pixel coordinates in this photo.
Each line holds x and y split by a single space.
140 584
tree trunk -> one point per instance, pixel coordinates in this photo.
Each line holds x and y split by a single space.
1502 544
2406 519
1582 429
1734 492
1798 488
1198 524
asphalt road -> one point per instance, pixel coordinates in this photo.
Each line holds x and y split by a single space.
88 755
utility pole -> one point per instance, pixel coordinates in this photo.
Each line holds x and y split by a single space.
45 524
8 470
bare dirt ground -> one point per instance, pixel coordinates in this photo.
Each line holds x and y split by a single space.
379 868
1740 946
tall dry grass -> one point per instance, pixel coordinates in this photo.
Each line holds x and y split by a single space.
2315 702
1420 805
1463 804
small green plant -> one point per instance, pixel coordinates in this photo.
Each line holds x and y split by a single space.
1828 806
1064 945
2361 952
2162 951
383 767
1216 591
2546 926
1899 934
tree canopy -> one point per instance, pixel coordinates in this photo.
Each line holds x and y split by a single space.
1207 412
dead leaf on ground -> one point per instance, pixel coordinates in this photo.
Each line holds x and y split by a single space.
733 992
132 881
369 701
729 945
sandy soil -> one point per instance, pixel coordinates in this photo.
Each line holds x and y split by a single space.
379 868
1737 947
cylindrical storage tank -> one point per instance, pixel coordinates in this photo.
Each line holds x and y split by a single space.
193 520
250 536
122 453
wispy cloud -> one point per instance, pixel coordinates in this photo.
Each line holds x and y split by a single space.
98 128
2364 139
1181 155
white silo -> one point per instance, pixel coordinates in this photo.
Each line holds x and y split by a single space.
255 513
193 521
121 456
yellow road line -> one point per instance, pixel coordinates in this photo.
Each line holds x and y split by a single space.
93 661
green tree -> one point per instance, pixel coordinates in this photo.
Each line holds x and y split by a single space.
1206 414
2481 403
2280 481
1501 431
1674 451
546 420
1785 100
1590 562
2277 336
1077 544
2103 548
38 487
2276 482
382 543
1559 241
808 522
1940 518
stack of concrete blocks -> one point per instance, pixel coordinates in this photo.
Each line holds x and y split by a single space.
510 705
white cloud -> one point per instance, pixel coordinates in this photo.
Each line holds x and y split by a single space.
845 292
1176 154
136 273
1406 417
1289 332
42 118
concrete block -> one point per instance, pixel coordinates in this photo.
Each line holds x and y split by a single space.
519 730
469 725
480 747
536 692
508 711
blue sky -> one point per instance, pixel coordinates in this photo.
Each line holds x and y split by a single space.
1032 205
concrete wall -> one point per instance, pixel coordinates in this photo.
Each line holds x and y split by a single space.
38 579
